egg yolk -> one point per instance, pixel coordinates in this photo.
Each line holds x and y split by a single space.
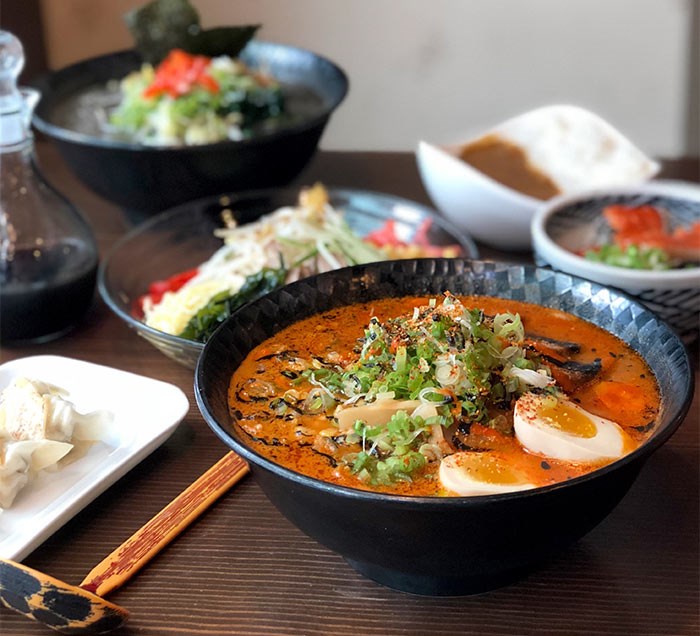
568 420
490 471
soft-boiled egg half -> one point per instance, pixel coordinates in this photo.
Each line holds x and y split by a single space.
557 427
480 473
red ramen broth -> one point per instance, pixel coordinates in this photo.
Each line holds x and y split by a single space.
285 395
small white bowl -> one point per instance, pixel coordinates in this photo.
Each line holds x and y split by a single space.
568 224
576 149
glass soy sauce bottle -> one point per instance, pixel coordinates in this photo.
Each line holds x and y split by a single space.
48 255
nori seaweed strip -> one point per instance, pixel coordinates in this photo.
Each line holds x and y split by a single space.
562 347
331 460
644 427
163 25
266 442
577 371
250 398
285 354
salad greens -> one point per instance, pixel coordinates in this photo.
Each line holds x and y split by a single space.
222 305
193 100
456 363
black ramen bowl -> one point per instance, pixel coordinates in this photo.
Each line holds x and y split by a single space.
445 545
148 178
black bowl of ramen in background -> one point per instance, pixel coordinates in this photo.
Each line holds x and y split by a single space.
445 545
148 178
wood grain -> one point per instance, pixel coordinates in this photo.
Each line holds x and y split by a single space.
244 569
119 566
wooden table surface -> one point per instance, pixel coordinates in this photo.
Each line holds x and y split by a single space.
244 569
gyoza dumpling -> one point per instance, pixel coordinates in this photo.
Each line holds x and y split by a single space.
64 423
22 411
37 424
31 409
19 461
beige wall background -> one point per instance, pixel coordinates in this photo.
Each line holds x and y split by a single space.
443 70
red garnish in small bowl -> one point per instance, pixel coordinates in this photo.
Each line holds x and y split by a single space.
647 226
179 73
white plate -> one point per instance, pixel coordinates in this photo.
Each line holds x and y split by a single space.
146 412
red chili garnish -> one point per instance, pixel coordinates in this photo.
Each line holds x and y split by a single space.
394 344
179 72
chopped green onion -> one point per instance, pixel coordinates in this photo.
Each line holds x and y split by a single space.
632 257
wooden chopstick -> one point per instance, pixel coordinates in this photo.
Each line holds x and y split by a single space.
145 543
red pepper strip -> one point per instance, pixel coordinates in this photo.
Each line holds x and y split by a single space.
421 239
421 235
158 288
385 235
179 72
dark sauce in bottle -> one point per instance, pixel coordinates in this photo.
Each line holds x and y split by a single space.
44 292
48 255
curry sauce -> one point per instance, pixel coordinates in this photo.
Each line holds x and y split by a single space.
508 164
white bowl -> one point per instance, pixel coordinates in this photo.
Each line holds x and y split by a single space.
568 224
576 149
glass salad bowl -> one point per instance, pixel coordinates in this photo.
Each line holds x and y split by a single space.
181 239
